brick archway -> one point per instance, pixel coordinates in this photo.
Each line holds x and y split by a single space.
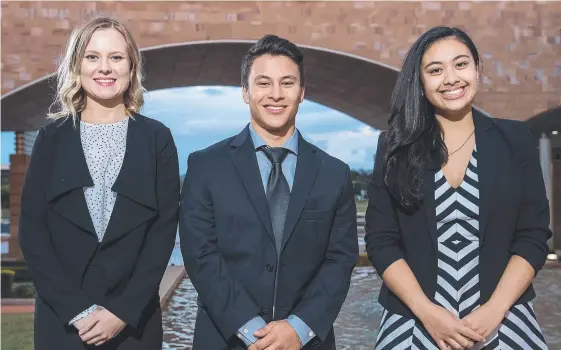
335 79
519 41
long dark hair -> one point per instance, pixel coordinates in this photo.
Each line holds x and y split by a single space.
414 135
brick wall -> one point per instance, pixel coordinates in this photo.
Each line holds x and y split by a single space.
520 41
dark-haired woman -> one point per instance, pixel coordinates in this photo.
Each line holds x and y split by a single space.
457 221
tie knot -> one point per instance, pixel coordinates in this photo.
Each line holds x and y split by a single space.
275 154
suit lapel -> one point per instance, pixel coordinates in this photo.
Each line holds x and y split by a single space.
307 166
70 176
486 140
135 185
245 161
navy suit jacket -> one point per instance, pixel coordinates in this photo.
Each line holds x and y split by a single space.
229 249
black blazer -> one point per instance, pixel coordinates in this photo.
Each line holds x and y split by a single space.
58 239
514 214
228 244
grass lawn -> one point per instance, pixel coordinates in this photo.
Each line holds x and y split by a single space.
361 206
17 331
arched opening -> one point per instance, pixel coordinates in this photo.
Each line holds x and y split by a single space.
354 85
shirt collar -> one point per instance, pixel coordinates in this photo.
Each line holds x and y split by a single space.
291 144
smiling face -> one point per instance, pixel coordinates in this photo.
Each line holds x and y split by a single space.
274 92
105 71
449 75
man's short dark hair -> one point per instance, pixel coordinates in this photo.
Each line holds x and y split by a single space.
272 45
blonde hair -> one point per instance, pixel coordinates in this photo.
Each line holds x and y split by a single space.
70 96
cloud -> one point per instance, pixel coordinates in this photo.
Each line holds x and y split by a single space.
223 97
326 117
213 124
355 147
213 92
190 111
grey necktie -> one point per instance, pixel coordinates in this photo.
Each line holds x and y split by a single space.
278 192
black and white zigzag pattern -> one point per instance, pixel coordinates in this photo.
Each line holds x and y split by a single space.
518 331
457 216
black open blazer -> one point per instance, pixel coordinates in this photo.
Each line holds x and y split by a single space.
514 214
59 242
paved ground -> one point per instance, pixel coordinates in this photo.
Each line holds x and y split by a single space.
548 305
360 316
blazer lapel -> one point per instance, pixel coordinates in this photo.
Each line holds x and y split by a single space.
70 176
135 185
429 203
486 141
307 167
245 161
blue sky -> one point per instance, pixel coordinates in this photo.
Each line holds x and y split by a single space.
201 116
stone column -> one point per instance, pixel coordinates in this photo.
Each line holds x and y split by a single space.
557 201
16 178
547 171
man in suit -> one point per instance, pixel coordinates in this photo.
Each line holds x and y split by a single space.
268 221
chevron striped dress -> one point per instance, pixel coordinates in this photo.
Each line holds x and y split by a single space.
457 216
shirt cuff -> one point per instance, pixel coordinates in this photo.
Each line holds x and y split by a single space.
304 332
245 333
83 314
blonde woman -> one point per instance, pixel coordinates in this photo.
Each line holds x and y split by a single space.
99 207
